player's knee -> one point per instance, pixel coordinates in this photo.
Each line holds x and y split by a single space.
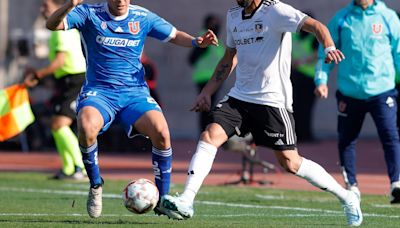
88 130
290 166
161 138
213 138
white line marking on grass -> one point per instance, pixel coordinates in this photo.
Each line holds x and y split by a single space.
269 196
385 206
72 215
267 207
117 196
62 192
269 215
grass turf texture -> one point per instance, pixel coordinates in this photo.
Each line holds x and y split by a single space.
31 200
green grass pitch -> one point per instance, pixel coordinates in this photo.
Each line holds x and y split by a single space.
31 200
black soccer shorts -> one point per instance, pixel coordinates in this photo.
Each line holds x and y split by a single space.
67 90
271 127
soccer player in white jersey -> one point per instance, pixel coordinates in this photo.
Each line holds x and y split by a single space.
114 33
258 36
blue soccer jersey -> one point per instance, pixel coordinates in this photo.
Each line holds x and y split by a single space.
114 45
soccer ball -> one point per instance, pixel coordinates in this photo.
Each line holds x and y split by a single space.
140 196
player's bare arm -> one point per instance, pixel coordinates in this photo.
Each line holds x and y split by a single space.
221 73
183 39
55 21
323 35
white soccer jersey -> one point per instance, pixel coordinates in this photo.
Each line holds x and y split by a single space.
264 45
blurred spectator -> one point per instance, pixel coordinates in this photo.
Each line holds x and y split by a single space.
304 58
204 61
67 65
368 33
151 76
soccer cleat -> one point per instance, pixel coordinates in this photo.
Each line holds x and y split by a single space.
395 192
158 210
355 189
352 210
95 202
177 205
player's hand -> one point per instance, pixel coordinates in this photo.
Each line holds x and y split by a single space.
30 78
334 56
202 103
75 2
207 39
321 91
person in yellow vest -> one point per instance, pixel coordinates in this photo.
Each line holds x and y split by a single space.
204 61
304 58
68 65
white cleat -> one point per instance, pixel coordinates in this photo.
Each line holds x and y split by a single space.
177 205
395 192
352 210
94 202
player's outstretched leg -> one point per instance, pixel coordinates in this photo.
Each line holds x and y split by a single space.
199 168
317 176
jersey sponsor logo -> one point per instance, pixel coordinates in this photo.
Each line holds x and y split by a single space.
376 28
251 40
117 42
134 27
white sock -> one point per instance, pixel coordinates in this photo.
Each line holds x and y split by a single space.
199 167
317 176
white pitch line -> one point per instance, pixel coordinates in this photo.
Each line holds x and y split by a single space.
117 196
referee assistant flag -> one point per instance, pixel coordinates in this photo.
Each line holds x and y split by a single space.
15 111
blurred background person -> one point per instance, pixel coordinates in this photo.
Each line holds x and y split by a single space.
368 33
304 58
151 76
68 66
204 61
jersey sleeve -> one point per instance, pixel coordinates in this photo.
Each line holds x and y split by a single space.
77 17
286 18
230 42
160 29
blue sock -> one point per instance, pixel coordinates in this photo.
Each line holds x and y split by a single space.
162 169
89 157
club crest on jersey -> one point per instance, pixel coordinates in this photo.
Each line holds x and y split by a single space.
103 25
134 27
377 28
259 27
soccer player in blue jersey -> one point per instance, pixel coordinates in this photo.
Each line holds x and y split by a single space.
114 33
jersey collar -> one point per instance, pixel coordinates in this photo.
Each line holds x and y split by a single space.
116 18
